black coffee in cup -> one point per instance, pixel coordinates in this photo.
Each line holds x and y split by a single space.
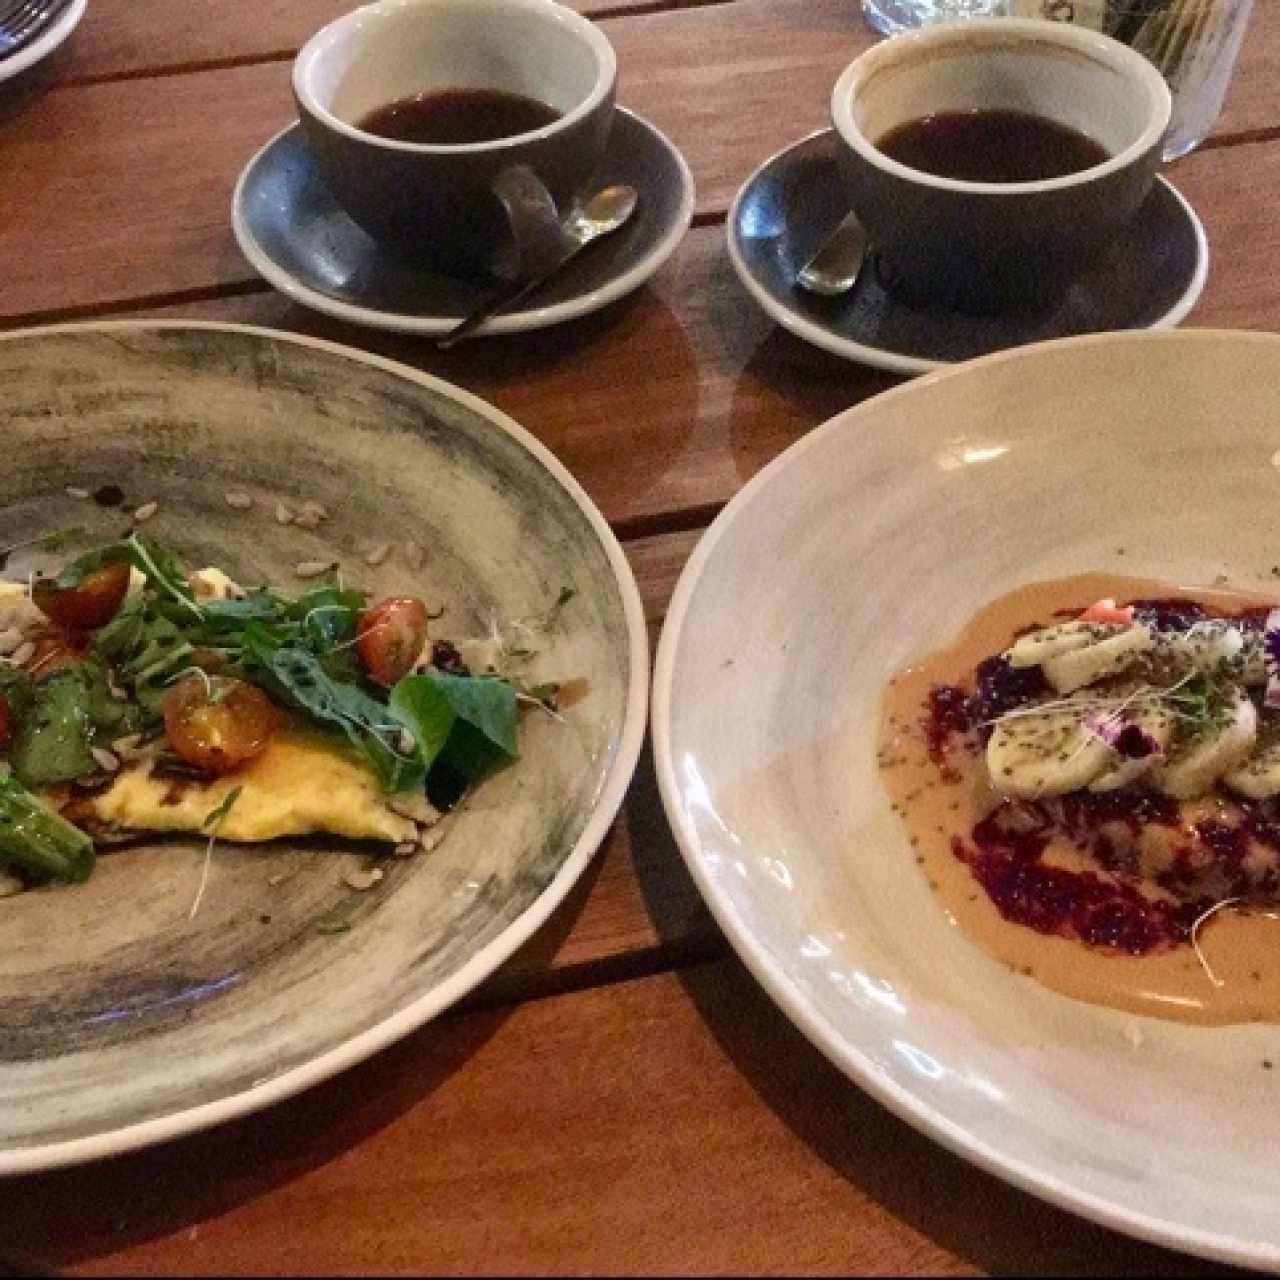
991 145
458 117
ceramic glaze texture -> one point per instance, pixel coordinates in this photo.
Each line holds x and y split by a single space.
862 548
124 1019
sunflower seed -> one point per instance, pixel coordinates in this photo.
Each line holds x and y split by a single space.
405 742
107 762
316 509
405 849
119 694
313 568
146 511
23 654
430 839
415 805
307 520
238 499
414 555
74 491
283 514
127 747
377 553
365 879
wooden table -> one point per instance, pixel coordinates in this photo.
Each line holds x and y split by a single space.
620 1096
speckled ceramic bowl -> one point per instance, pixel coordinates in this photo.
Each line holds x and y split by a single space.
125 1021
858 551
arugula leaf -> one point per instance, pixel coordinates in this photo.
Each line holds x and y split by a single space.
467 723
146 648
231 615
329 618
69 712
298 677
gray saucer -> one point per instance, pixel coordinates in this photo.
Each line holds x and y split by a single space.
1150 279
296 236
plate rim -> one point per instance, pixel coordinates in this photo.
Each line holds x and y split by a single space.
426 1007
45 44
512 322
859 1068
894 361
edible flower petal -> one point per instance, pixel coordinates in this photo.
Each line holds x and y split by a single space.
1106 610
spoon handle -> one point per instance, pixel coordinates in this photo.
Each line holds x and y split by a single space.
499 300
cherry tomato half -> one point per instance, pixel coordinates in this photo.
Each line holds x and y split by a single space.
390 637
218 724
91 604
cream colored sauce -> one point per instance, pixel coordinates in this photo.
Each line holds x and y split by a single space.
1242 949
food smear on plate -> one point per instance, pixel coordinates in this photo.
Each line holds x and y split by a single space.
139 697
1090 779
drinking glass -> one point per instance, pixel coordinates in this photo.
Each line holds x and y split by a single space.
891 16
1194 42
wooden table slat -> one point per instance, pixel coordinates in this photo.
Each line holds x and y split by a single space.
124 164
672 1125
145 36
724 389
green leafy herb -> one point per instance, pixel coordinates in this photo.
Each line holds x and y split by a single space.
147 650
62 539
298 677
231 615
37 841
466 722
57 540
70 712
1201 707
215 816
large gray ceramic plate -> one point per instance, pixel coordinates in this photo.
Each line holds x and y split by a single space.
124 1021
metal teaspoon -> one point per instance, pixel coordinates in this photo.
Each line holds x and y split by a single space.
833 269
604 212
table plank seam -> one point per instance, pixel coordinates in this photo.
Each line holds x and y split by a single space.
121 307
589 975
639 9
1240 138
248 287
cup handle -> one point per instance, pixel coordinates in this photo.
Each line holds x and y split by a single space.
537 239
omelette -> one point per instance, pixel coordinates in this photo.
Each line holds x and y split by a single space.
138 698
302 784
